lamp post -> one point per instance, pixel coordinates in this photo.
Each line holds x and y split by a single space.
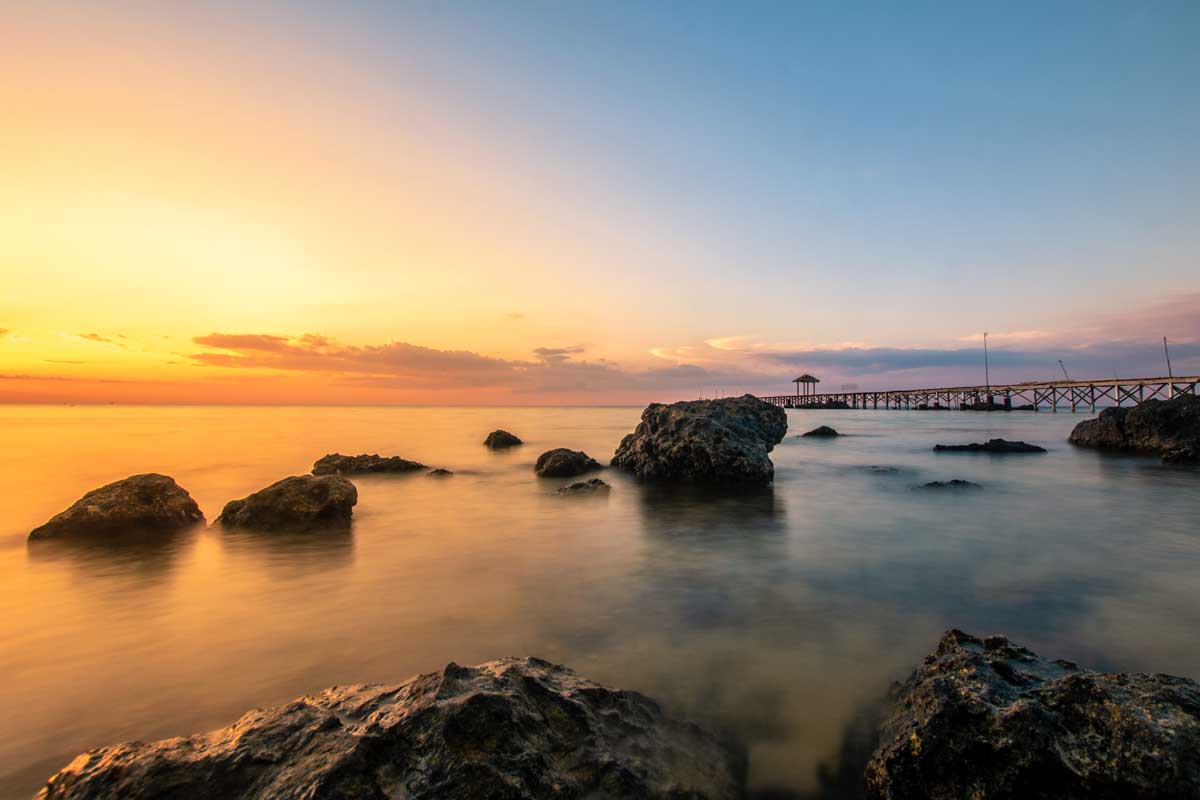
987 376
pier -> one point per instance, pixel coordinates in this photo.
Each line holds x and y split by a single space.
1028 396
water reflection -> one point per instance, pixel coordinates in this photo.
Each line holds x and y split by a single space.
139 560
292 555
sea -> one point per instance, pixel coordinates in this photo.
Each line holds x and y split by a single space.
779 617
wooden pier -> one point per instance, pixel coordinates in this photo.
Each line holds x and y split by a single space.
1029 396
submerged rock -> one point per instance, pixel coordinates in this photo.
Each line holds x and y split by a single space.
593 486
705 441
824 430
1170 428
299 503
499 439
338 464
991 446
139 504
956 483
511 728
987 719
564 463
439 473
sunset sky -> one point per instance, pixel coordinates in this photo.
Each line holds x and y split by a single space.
609 202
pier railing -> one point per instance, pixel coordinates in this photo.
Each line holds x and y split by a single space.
1031 396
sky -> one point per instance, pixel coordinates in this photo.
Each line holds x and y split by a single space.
590 203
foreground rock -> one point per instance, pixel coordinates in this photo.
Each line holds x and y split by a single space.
991 446
299 503
986 719
824 430
705 441
564 463
338 464
506 729
595 486
1170 428
498 440
956 483
139 504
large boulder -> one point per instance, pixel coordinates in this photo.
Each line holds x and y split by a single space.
139 504
987 719
338 464
507 729
299 503
564 463
705 441
1170 428
500 439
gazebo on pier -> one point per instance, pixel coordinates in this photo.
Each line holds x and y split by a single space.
808 382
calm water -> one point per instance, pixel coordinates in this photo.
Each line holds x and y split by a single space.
777 615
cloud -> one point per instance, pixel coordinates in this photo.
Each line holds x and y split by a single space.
97 338
514 315
3 332
557 353
407 366
1010 336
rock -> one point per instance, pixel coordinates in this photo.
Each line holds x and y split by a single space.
564 463
705 441
824 430
439 473
507 729
499 439
338 464
986 719
991 446
592 487
139 504
1165 427
993 406
299 503
956 483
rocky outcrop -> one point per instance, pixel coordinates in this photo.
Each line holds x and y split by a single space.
991 446
338 464
1170 428
564 463
987 719
439 473
498 440
595 486
139 504
299 503
705 441
823 431
837 405
507 729
956 483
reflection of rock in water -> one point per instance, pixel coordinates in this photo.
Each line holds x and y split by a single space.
676 508
709 554
296 554
144 559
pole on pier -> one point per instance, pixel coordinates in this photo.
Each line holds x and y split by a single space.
1167 353
987 378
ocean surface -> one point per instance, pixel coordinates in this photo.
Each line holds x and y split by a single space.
779 615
